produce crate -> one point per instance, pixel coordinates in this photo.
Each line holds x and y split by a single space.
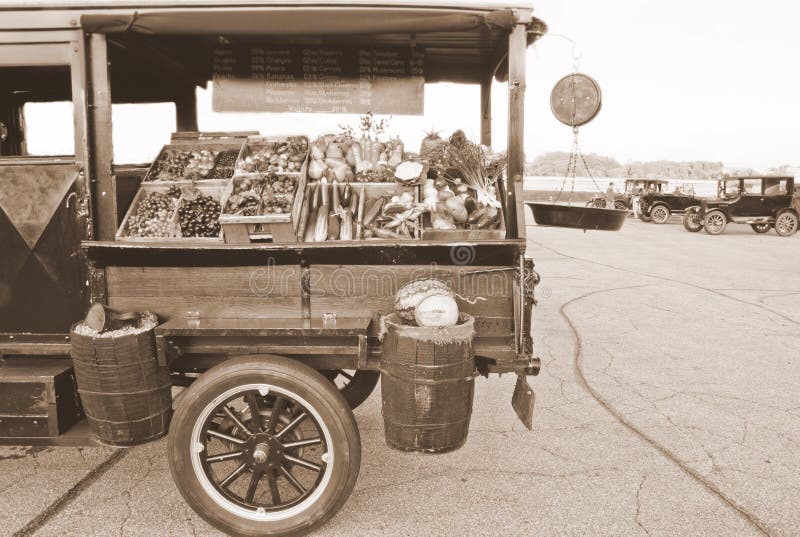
373 192
263 227
255 143
215 190
467 232
144 190
228 147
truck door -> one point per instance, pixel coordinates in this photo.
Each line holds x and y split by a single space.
43 202
751 202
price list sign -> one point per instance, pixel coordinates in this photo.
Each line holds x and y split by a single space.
318 79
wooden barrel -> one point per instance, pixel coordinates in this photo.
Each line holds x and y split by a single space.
126 395
427 385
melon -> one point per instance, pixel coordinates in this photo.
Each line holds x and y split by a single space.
437 311
409 296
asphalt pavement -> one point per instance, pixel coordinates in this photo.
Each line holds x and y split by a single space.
668 404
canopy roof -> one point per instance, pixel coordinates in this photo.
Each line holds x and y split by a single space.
463 42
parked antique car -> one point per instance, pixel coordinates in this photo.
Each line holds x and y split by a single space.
659 207
762 202
623 201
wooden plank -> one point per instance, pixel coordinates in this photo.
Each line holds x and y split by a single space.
369 290
366 252
48 349
245 281
105 212
486 110
517 48
283 326
210 306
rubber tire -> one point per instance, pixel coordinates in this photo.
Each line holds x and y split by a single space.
360 388
298 378
761 228
782 214
724 222
659 221
644 218
687 224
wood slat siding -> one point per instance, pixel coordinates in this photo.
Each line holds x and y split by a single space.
274 291
359 290
226 292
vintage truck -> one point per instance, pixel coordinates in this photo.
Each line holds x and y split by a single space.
257 331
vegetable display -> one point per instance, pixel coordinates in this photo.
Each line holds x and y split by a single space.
364 159
277 157
464 193
345 212
192 164
198 215
153 216
266 194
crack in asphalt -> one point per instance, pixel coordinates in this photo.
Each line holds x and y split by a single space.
639 504
69 496
621 418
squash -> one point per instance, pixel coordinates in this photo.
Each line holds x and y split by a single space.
410 295
437 310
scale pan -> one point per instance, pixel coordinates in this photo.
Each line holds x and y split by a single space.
549 214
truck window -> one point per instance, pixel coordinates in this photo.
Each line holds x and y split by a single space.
36 112
752 186
773 187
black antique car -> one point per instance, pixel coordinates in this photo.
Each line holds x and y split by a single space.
658 206
623 201
762 202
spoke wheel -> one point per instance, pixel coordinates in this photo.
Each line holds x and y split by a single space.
264 446
691 220
761 228
715 222
356 385
786 224
620 205
660 214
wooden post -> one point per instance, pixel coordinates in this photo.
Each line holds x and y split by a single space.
186 110
486 110
105 213
517 48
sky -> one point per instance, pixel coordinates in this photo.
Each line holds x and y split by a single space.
681 80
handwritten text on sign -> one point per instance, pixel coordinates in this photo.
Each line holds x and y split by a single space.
318 79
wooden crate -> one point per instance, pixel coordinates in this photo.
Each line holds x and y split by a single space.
144 190
213 188
221 142
373 192
276 228
465 233
37 397
254 143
